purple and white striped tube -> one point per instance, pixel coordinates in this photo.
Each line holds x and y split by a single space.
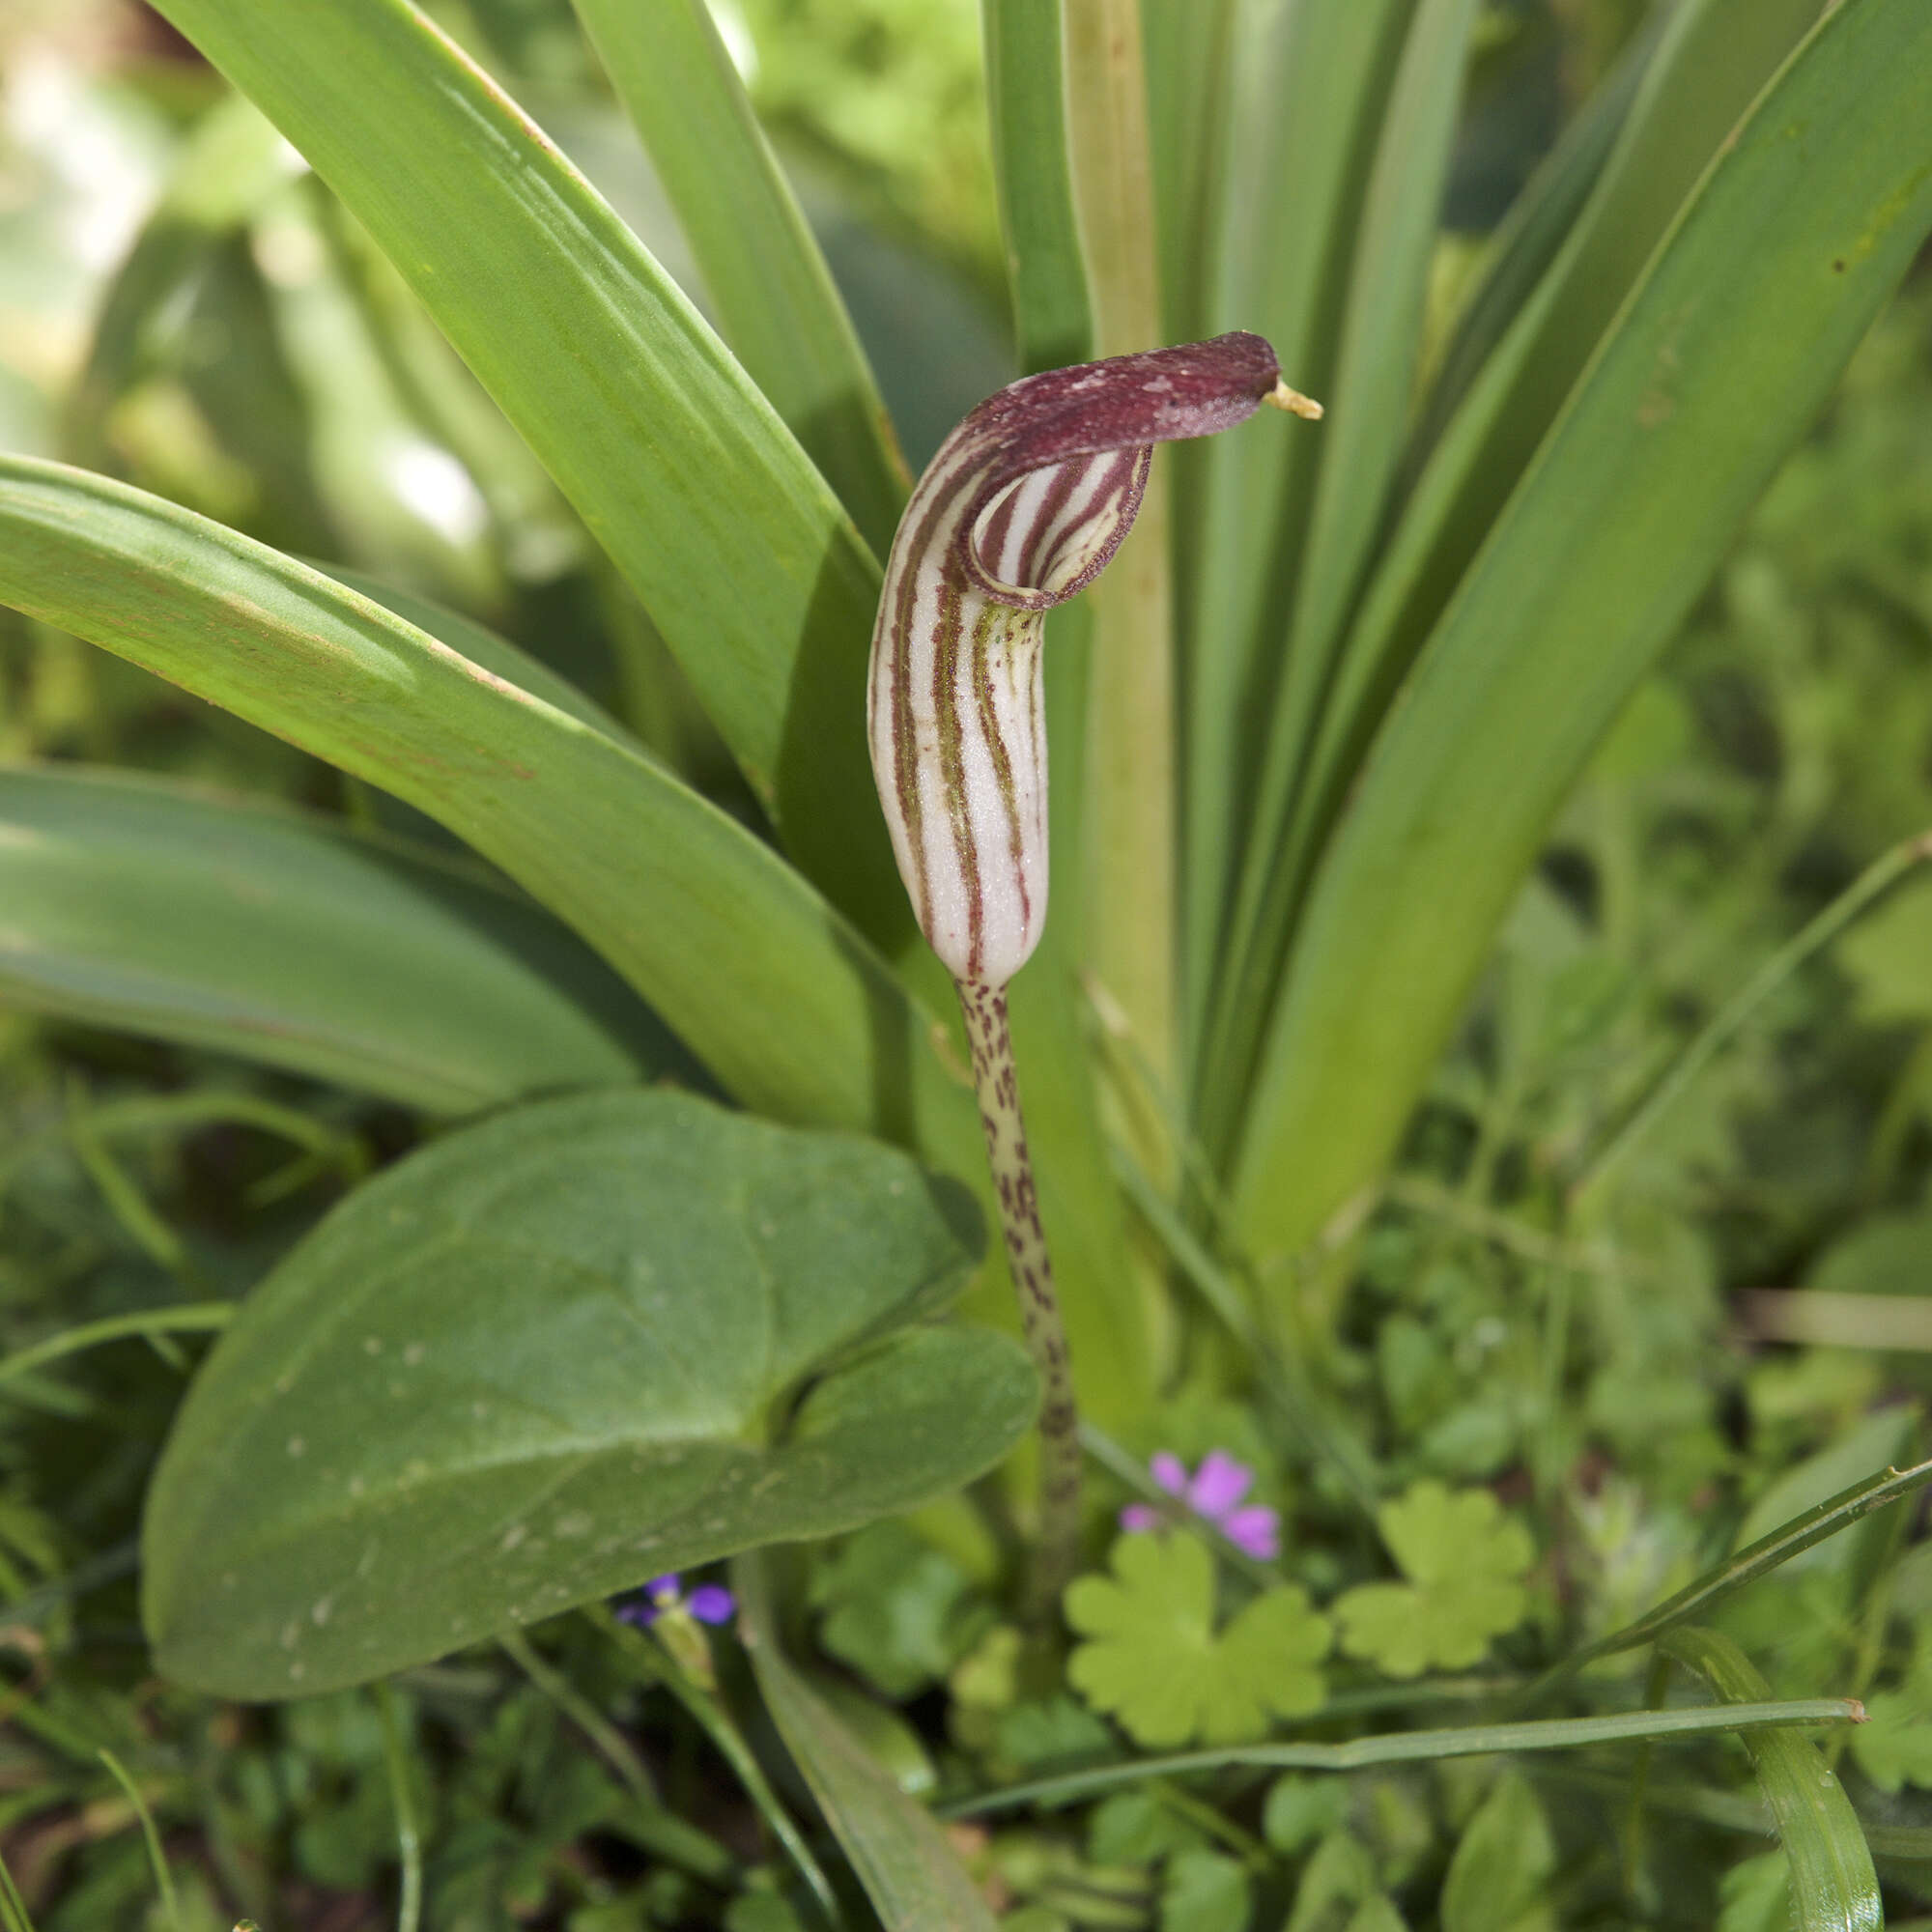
1022 507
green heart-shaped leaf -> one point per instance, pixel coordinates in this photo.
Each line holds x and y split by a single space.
549 1357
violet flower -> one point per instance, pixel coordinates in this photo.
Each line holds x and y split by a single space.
1214 1493
708 1603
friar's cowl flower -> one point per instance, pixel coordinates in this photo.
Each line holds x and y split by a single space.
1022 507
708 1603
1214 1493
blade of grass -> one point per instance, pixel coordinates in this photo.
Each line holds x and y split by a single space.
1899 1322
256 929
613 1746
1375 372
409 1831
1833 1885
164 1882
656 1830
124 1199
658 1665
1721 358
681 469
193 1317
910 1873
1723 1026
1427 1747
12 1903
200 1107
1745 1566
1312 86
773 294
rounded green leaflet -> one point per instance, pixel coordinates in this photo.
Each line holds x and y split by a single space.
582 1344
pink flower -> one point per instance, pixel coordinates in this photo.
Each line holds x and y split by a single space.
1214 1493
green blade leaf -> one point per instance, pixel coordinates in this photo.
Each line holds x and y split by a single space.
1375 371
910 1873
1756 1559
788 1006
1834 1888
1539 224
552 1355
1375 361
738 547
1715 57
133 902
1026 98
785 1005
1364 1753
1310 95
1721 359
772 294
1188 46
483 646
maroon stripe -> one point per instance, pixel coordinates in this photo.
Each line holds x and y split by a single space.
1058 492
995 540
990 618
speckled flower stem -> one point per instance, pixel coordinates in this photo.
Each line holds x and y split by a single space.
1057 1554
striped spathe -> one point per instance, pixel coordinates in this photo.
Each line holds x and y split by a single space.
1022 507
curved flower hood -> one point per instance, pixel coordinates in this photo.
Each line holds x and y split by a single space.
1022 507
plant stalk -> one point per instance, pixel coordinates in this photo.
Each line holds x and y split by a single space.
997 1081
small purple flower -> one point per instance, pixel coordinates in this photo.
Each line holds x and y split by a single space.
712 1603
1214 1493
709 1603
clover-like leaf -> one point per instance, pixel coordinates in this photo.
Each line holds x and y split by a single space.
1154 1662
1464 1562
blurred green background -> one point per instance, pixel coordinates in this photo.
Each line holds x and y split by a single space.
182 307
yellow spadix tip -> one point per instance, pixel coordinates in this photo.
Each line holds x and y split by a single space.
1294 402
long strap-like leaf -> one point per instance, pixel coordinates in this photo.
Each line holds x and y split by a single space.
788 1006
896 1848
737 546
1715 57
1721 358
1381 342
1053 320
786 1003
1832 1883
769 285
281 937
1309 93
